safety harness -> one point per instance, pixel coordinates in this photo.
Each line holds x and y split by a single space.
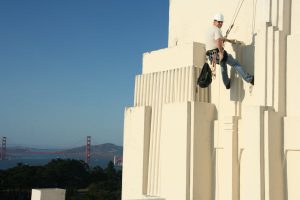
214 58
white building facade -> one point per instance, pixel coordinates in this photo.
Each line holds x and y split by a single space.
182 142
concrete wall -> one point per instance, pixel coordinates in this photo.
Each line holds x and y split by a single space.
239 144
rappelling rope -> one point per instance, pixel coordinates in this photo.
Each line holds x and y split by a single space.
236 13
213 66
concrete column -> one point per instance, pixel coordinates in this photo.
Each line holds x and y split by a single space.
186 151
225 156
251 149
201 167
136 152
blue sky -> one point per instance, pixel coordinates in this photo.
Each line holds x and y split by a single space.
67 67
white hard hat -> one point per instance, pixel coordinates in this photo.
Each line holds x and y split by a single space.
219 17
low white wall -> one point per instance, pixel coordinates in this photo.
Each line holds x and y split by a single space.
48 194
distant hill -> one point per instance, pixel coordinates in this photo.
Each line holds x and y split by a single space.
107 147
101 154
105 151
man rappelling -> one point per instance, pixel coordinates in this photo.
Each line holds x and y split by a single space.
217 54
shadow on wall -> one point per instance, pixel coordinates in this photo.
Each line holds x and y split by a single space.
245 55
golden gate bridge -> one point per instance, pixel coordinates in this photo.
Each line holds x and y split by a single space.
29 151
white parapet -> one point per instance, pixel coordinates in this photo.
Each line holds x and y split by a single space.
191 54
48 194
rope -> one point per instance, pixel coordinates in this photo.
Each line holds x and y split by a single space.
236 13
213 66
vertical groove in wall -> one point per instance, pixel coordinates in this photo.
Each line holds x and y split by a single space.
187 80
200 91
176 89
151 89
172 87
136 92
192 83
196 89
182 86
155 146
143 91
155 89
147 77
178 79
186 93
140 91
161 97
179 84
266 68
150 172
156 153
273 67
167 88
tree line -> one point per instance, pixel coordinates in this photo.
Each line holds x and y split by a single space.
80 181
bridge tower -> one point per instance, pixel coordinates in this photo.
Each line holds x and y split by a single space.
88 149
3 148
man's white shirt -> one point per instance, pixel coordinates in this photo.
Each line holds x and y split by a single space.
212 35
